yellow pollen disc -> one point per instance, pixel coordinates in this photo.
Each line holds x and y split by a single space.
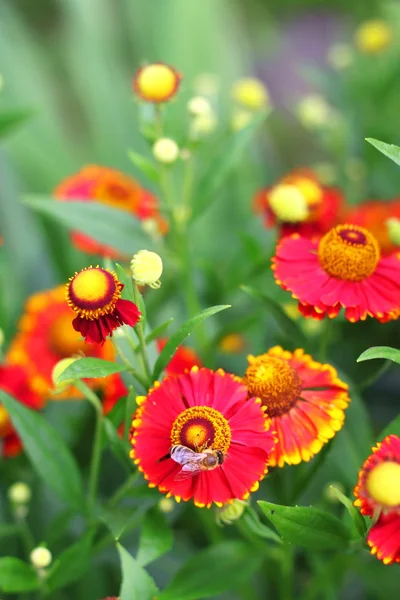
311 191
64 340
349 252
273 380
156 82
4 420
200 427
90 285
383 483
288 203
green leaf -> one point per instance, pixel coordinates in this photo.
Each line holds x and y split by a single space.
71 564
212 571
123 276
91 368
115 228
392 429
46 450
389 150
229 156
136 582
121 518
8 530
17 576
158 331
144 165
288 327
118 446
10 119
155 538
306 526
355 515
180 335
380 352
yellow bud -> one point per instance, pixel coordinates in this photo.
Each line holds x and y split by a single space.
198 105
156 82
288 203
146 268
60 368
165 151
240 119
313 111
383 483
393 227
312 327
373 36
19 493
166 505
231 512
232 343
40 558
340 56
291 309
251 93
330 495
203 124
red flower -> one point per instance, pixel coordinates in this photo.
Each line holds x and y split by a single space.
183 360
342 270
378 496
115 189
299 203
304 399
45 330
374 216
94 294
14 381
202 410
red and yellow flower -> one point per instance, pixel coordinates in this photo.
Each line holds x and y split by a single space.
183 360
15 381
374 216
202 409
156 82
299 203
115 189
378 495
45 330
304 399
342 270
94 294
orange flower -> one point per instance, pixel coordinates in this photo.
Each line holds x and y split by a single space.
113 188
156 82
304 399
45 331
374 216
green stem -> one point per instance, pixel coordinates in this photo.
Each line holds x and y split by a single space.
142 380
326 338
286 573
125 487
142 341
26 536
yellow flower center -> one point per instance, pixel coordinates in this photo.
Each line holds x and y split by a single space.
310 189
63 338
156 82
288 203
200 427
273 380
349 252
251 93
383 483
93 292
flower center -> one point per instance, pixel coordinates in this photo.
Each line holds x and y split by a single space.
349 252
63 338
383 483
93 292
200 427
4 421
288 203
311 191
273 380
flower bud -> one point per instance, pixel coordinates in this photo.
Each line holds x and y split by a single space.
156 82
19 493
288 203
56 372
40 558
329 493
340 56
313 111
373 36
203 124
250 93
393 227
166 505
231 512
146 268
165 151
198 105
232 343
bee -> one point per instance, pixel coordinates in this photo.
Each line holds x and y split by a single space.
193 462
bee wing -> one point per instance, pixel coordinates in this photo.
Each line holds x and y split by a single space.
189 470
183 455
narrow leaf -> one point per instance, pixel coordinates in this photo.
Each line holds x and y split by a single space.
11 119
389 150
123 276
48 453
136 582
306 526
380 352
155 537
392 429
121 518
115 228
144 165
17 576
212 571
158 331
180 335
355 515
91 368
71 564
288 327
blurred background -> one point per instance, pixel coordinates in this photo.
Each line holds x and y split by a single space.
66 100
